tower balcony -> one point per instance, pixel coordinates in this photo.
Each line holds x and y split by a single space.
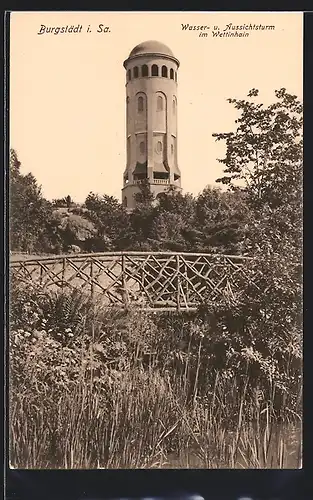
139 181
154 181
160 181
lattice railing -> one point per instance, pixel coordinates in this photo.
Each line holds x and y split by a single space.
150 280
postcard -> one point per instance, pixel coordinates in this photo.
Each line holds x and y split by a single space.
155 227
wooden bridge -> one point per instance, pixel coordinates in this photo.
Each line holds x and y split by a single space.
162 281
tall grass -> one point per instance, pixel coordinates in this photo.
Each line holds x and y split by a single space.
126 393
141 421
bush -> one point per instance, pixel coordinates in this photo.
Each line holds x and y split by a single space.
92 388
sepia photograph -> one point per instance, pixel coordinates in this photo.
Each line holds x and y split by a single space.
155 240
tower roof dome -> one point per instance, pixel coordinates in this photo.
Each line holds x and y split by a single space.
151 47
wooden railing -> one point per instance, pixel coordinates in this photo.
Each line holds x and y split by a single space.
149 280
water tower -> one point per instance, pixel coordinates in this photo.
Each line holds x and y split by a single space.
151 120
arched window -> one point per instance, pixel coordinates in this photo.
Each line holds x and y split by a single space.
129 75
142 147
174 106
164 71
171 74
140 104
155 70
175 76
159 147
144 70
136 72
159 103
125 201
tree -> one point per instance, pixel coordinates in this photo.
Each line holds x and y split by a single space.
68 200
167 231
173 218
221 219
265 152
144 197
264 159
110 219
141 218
174 201
30 213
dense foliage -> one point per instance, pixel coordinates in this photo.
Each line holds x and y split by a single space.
92 388
217 381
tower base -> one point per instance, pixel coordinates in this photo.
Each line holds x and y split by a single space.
129 191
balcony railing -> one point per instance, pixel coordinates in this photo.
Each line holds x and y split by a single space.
154 181
161 181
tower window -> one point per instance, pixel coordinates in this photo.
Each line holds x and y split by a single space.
174 106
171 74
164 71
159 147
160 103
136 72
172 149
142 147
140 104
175 76
125 201
129 75
144 70
155 70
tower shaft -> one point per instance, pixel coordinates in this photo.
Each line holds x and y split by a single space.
151 122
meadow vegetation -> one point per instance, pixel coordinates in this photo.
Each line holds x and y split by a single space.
134 389
219 387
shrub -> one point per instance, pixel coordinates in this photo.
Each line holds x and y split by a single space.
135 389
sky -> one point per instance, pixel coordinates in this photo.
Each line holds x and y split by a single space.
67 91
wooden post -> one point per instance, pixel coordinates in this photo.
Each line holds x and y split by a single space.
41 274
187 284
92 288
124 284
92 292
178 282
63 272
